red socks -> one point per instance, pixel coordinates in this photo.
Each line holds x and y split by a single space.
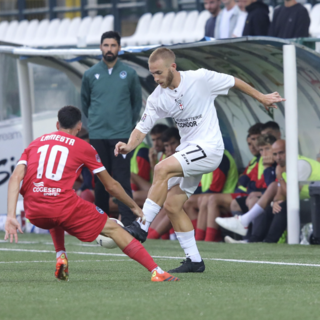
166 236
136 251
213 235
153 234
200 234
57 235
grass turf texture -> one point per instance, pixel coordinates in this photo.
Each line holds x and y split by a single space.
115 287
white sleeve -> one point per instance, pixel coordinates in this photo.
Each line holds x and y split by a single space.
149 117
304 170
219 83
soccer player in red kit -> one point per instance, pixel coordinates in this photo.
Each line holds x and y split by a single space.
48 167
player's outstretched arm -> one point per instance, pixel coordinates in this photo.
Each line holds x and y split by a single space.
135 139
115 189
268 100
12 223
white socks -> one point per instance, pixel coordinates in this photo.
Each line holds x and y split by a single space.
248 217
188 244
58 254
150 210
158 269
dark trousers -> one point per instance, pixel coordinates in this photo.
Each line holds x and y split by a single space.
119 169
261 225
269 227
278 225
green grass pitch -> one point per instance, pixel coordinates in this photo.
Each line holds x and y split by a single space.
112 286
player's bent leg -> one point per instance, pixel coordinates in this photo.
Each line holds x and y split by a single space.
62 265
57 234
135 250
163 171
184 231
191 208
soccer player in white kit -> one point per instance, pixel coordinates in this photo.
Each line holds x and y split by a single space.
187 97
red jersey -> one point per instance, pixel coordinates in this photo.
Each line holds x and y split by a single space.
54 161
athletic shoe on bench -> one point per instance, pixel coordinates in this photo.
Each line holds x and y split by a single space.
233 224
189 266
228 239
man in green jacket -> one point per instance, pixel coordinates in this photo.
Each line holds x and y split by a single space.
111 100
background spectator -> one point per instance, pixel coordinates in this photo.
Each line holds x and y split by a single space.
156 153
140 173
257 23
111 100
237 32
161 224
86 189
290 21
226 20
213 6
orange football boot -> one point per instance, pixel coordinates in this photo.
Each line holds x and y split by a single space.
159 277
62 272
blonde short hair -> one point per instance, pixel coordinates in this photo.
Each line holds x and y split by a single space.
164 54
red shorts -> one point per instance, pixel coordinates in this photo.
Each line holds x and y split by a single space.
239 194
84 220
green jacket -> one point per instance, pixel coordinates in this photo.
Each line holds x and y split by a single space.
111 103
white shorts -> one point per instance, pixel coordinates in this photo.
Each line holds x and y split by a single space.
195 161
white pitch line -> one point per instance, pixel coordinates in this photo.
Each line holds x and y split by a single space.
51 243
171 258
11 262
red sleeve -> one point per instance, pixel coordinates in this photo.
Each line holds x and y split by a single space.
91 159
218 181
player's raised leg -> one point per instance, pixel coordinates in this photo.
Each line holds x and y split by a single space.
163 171
135 250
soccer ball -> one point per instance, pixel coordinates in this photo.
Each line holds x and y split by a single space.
107 242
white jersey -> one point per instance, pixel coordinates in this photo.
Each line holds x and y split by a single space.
191 105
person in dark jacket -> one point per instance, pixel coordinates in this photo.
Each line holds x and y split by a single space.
257 23
290 21
213 6
111 100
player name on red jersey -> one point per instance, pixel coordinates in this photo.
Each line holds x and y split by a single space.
57 137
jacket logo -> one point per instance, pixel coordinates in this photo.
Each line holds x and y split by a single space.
123 74
97 76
